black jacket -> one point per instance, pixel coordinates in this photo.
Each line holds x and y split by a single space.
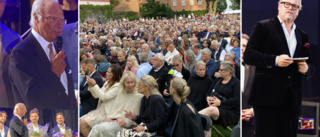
17 129
88 102
161 78
198 89
275 86
231 91
186 123
157 113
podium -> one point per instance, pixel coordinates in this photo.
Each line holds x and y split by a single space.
314 132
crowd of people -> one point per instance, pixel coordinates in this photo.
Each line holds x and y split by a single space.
139 78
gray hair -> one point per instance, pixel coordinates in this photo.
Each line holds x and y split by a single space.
300 4
207 51
189 53
37 7
232 54
227 65
215 42
161 57
144 57
177 58
16 107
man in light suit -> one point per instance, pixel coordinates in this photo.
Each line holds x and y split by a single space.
17 125
34 125
8 39
40 75
88 102
276 88
3 129
60 128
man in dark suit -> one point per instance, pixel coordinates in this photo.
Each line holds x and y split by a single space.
247 115
223 43
18 125
3 129
8 39
60 128
89 103
276 88
39 74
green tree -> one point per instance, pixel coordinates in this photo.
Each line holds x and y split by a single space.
113 3
216 6
235 4
221 6
154 8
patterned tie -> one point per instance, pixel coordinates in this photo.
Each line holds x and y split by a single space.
50 51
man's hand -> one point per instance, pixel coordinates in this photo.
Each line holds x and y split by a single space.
246 114
25 121
91 82
303 67
284 60
57 63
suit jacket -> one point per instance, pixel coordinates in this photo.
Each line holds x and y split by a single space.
9 39
275 86
186 123
32 80
70 46
5 131
17 129
224 43
161 78
56 129
88 102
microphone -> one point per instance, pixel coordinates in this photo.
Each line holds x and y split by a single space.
59 42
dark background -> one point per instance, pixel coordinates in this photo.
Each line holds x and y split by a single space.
309 21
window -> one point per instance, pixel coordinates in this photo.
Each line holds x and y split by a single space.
183 3
200 2
191 2
174 3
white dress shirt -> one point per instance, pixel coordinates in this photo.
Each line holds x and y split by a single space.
62 128
2 131
44 44
291 38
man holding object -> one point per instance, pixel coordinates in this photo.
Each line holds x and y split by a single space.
276 88
40 75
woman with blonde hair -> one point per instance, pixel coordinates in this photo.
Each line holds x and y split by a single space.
127 99
106 94
132 65
182 112
153 111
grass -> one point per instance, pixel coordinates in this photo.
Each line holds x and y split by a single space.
225 132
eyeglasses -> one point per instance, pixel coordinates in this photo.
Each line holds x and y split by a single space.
53 19
287 5
221 70
176 65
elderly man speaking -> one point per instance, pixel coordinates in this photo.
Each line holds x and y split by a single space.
40 74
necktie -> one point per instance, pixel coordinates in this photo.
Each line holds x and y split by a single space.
50 51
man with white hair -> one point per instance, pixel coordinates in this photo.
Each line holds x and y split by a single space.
40 73
211 66
219 52
159 72
18 126
146 48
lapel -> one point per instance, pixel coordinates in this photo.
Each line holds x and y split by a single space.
280 36
39 50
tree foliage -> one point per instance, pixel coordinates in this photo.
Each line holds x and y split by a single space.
92 11
222 5
235 4
154 8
